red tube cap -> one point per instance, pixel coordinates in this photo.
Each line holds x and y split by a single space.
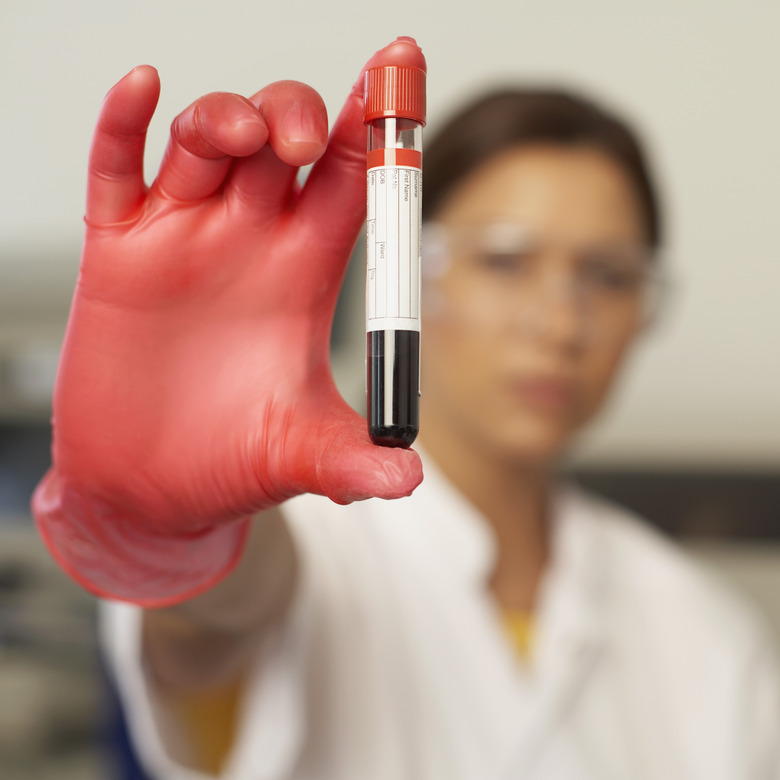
395 91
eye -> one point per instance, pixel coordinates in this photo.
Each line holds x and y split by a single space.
612 273
503 262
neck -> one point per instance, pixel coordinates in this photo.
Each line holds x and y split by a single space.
513 496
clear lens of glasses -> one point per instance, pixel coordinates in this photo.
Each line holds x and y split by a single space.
504 275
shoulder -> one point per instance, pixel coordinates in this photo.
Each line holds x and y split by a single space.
678 632
656 582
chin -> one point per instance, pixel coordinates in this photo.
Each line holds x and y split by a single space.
538 443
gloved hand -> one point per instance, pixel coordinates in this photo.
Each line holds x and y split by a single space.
194 386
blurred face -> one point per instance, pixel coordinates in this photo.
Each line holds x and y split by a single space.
534 292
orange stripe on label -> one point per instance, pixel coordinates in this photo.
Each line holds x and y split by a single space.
407 158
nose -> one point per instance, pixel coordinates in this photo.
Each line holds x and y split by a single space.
556 313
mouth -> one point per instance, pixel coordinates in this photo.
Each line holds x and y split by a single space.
545 394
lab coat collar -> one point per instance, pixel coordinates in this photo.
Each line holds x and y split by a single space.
575 581
471 546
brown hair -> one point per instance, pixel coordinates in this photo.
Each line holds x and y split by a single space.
514 117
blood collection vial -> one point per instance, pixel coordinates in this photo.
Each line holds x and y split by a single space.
395 116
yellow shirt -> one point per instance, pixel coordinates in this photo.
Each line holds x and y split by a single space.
209 718
519 627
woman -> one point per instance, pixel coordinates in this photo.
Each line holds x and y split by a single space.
490 625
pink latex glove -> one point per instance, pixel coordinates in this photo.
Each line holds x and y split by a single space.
194 386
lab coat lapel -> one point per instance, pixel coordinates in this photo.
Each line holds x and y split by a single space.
471 673
515 708
570 629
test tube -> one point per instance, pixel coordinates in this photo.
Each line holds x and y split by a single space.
395 116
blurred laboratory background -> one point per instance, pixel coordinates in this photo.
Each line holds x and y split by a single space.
692 438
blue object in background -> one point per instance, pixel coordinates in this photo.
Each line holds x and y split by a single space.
120 755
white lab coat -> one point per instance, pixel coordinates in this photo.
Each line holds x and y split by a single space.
394 664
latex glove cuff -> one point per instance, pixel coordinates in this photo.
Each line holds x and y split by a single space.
113 557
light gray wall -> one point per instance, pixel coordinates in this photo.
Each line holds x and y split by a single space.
700 78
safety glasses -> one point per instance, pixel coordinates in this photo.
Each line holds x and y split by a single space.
506 275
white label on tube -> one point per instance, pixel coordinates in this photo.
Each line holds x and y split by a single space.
393 248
